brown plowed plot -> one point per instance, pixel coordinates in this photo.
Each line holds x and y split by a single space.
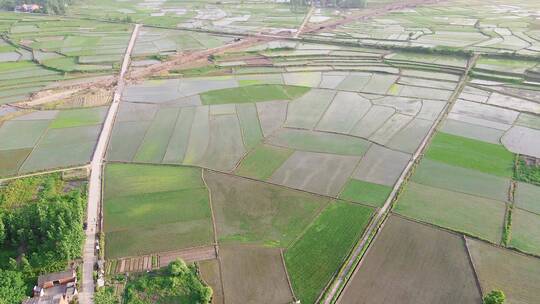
211 274
188 255
254 275
517 275
416 264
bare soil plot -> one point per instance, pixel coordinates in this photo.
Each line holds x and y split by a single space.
12 160
306 111
314 258
529 121
128 111
225 146
315 172
354 82
262 161
272 115
190 255
248 211
211 274
409 138
497 268
525 227
254 275
527 197
416 264
379 83
372 121
307 79
381 165
472 131
346 110
483 115
322 142
440 175
461 212
391 127
150 209
522 140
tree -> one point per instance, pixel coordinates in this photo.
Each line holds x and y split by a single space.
2 230
495 297
178 268
12 287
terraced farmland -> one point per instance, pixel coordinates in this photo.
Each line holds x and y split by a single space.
389 153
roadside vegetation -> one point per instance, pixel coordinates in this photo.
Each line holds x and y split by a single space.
527 171
178 283
41 230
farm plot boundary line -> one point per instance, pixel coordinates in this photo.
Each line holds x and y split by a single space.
353 263
243 177
6 179
307 17
473 267
95 184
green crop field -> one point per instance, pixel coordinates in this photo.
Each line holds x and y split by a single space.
265 159
525 226
151 209
262 161
365 192
253 93
252 212
318 254
470 214
78 118
472 154
516 274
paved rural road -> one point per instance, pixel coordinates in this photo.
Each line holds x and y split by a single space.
94 187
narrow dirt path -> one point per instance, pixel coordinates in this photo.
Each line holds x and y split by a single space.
305 22
94 186
340 282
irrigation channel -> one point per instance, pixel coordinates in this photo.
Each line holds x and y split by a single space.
94 186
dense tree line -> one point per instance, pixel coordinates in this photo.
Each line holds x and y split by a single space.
176 283
55 7
39 233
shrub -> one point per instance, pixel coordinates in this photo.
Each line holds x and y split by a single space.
495 297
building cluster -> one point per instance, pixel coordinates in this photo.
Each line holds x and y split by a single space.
27 8
54 288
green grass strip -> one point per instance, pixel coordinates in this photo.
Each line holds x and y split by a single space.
263 161
365 192
312 261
